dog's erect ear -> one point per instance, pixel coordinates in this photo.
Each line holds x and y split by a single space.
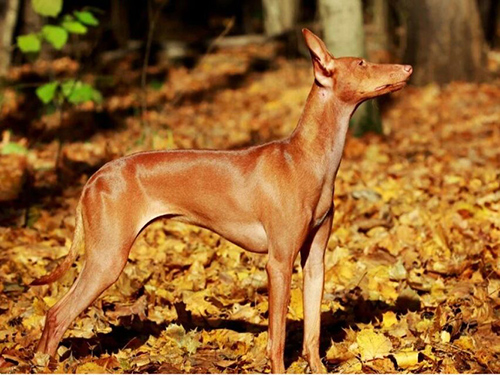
323 62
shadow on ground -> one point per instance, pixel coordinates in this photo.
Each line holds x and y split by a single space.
132 332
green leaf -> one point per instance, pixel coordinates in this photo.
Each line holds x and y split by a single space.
81 93
29 43
14 148
86 18
67 87
74 27
47 92
55 35
78 92
49 8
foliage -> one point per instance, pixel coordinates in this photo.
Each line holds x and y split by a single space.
412 279
47 92
29 43
57 35
86 18
50 8
75 92
13 148
73 25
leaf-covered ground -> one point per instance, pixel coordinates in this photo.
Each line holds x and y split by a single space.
412 266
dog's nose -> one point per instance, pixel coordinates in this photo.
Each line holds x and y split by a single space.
408 68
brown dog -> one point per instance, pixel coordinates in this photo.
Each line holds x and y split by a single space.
275 198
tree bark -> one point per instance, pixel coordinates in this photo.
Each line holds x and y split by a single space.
342 23
445 41
343 32
381 24
280 16
489 14
119 22
7 26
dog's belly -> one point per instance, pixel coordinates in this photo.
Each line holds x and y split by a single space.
249 236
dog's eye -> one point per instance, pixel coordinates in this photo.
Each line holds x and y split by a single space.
361 62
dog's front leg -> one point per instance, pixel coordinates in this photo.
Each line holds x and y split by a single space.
312 259
279 271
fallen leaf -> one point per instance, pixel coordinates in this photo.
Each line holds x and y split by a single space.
406 359
373 345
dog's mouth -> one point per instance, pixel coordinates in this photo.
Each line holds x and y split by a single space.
392 86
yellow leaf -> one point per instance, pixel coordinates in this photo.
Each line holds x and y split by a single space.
41 359
50 301
428 352
246 313
169 296
196 275
424 325
338 352
62 350
90 368
453 179
406 359
388 189
197 304
263 306
33 321
161 314
185 340
389 319
373 153
296 309
242 275
141 360
297 367
379 286
445 336
465 342
352 366
373 345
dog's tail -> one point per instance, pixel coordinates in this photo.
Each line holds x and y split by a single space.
78 242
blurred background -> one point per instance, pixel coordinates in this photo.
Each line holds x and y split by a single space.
445 41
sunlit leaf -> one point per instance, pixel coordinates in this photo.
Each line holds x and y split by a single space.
29 43
406 359
47 92
90 368
55 35
50 8
74 27
14 148
373 345
79 92
67 87
86 18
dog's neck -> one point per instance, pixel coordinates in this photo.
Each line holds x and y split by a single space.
322 128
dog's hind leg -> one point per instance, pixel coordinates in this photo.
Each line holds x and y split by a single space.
102 268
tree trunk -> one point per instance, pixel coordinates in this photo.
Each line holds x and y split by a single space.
280 16
445 41
342 23
489 14
381 23
119 22
7 25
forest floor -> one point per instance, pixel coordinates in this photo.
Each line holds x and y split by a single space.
412 266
